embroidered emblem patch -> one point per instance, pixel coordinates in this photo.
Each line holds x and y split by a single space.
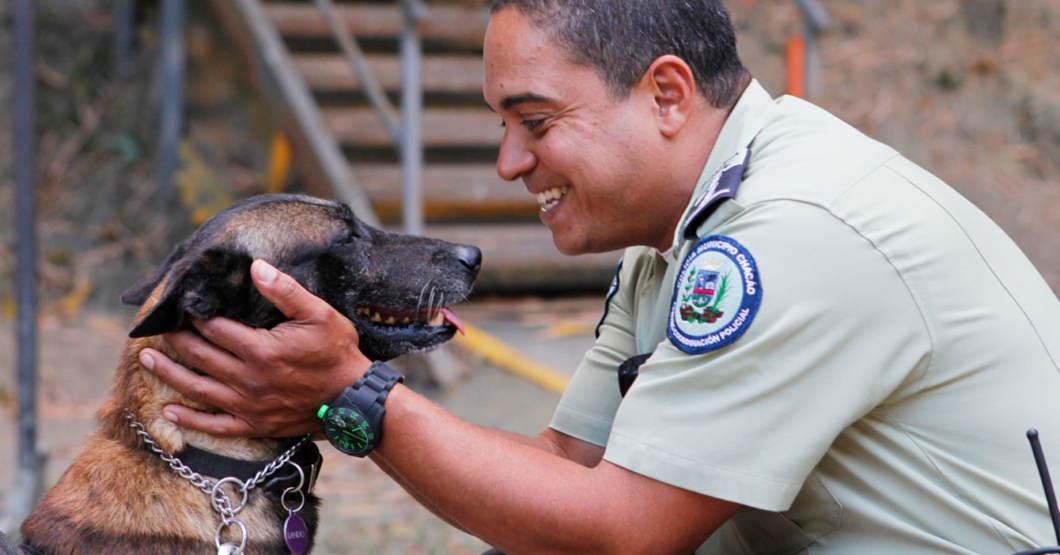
716 296
722 185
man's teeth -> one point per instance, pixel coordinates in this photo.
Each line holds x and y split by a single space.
548 199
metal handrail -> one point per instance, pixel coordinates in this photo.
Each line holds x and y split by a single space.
355 57
816 21
28 477
284 85
405 136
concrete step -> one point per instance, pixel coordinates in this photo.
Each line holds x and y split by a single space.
452 74
518 258
442 127
455 25
451 192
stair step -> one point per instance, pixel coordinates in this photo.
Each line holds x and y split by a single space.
450 191
442 127
447 74
458 25
522 257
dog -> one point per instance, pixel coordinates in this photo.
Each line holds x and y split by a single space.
120 497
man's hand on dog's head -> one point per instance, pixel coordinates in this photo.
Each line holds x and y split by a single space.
269 383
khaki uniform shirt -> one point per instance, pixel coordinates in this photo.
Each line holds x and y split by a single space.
867 382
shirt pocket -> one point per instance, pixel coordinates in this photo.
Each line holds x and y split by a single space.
814 514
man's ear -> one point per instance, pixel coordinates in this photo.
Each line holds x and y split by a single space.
200 286
673 86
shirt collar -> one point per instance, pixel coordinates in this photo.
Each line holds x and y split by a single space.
744 123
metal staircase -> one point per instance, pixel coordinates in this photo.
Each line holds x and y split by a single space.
337 124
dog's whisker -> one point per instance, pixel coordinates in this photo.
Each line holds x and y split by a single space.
419 303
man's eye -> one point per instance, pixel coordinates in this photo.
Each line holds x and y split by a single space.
530 124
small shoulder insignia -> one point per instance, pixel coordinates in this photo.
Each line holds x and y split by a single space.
716 296
610 293
722 185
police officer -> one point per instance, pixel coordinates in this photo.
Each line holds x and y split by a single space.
835 352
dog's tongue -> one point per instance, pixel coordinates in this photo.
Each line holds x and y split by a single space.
454 320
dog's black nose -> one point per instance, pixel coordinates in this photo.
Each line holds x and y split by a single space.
470 257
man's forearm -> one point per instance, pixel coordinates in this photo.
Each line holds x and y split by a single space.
525 499
523 495
536 442
426 503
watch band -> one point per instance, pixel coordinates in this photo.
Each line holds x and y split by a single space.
370 392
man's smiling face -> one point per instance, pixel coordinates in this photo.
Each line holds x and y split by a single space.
588 158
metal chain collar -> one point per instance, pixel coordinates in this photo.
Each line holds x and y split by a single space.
220 501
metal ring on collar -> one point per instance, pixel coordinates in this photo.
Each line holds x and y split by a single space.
217 490
298 488
242 542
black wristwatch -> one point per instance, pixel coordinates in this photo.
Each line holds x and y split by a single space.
353 423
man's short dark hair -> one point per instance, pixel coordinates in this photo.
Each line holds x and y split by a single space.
621 38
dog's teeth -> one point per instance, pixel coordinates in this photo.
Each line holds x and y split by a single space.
437 320
377 318
390 320
405 321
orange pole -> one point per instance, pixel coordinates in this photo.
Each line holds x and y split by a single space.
796 64
279 164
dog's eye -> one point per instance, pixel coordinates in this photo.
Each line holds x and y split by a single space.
347 238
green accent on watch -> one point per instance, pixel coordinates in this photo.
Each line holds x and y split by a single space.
323 409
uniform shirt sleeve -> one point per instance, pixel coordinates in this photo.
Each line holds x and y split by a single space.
587 407
837 333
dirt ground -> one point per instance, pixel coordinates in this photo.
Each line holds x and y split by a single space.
958 86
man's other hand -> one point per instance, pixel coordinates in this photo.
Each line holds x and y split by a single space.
268 383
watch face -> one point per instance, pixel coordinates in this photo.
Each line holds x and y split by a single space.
348 431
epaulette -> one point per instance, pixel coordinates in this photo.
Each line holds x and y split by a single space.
722 185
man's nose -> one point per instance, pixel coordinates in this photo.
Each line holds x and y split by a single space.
514 160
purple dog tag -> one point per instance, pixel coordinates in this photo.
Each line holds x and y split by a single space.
296 533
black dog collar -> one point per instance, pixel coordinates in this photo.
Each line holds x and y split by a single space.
211 464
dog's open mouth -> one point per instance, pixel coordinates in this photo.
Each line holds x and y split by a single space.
396 318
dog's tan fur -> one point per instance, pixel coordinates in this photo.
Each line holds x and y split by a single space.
104 474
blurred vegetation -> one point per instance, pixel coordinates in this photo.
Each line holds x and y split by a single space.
101 223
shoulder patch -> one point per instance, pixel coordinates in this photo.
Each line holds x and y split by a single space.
722 185
716 296
610 293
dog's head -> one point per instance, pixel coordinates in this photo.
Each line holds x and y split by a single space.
394 288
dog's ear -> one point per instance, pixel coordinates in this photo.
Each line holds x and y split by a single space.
138 294
200 286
